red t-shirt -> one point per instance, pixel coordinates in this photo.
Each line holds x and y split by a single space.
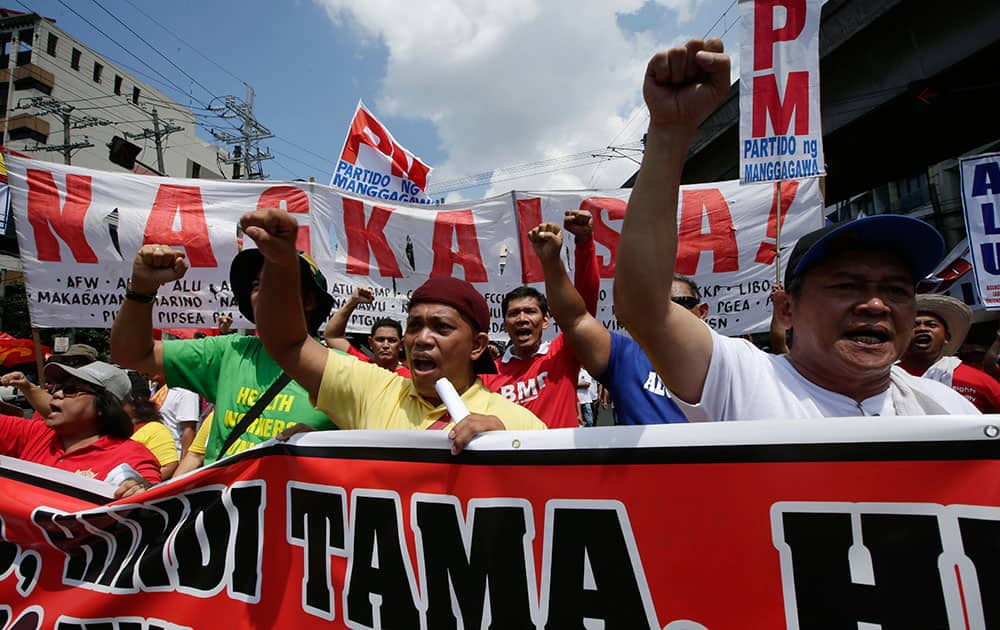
32 441
401 369
981 389
545 384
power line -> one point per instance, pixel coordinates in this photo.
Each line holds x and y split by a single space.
153 48
575 160
115 42
719 19
183 41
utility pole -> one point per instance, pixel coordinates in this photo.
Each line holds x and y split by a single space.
251 131
15 46
55 107
157 134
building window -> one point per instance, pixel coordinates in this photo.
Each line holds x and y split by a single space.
135 95
51 46
24 48
98 69
74 61
118 84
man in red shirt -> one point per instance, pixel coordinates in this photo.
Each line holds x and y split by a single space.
938 331
87 431
542 376
386 339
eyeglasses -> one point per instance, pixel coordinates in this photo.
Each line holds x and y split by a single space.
686 301
71 389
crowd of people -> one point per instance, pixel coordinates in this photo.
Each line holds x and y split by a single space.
852 336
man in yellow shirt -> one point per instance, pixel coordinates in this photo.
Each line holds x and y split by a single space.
445 336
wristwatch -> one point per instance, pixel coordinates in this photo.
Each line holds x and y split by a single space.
135 296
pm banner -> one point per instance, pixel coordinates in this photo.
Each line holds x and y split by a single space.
781 135
850 523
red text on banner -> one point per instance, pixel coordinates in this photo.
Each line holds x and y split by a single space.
460 226
366 239
604 234
183 202
720 239
293 201
45 214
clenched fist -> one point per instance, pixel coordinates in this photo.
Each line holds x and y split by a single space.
580 223
156 265
274 231
547 240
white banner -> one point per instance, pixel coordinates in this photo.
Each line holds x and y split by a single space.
76 274
373 164
981 200
781 135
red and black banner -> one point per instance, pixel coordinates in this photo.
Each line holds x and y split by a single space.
893 523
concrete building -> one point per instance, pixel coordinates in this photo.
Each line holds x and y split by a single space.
65 93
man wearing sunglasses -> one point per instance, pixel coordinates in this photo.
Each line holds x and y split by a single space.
87 432
613 359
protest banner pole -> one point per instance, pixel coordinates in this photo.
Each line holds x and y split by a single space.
38 356
777 235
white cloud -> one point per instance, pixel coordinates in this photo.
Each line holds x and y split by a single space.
515 82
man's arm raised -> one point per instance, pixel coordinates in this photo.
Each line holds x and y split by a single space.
589 340
681 87
132 343
336 327
587 279
281 321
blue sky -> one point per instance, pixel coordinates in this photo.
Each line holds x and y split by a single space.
470 86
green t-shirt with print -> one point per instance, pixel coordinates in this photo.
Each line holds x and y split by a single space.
232 371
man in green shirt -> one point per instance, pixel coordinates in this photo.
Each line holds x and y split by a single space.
230 370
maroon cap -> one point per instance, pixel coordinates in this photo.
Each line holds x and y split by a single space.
464 298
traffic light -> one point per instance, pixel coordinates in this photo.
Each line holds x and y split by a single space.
123 152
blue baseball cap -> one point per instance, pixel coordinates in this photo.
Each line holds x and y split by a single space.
917 242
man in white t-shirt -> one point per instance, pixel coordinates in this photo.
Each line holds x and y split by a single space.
586 394
181 410
848 298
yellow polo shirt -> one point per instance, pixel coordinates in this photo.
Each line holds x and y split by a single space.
200 442
357 395
159 441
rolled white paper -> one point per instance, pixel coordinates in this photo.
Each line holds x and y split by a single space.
452 401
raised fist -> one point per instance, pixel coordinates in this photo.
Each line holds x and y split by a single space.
225 324
362 295
580 223
16 379
546 239
274 231
684 84
156 265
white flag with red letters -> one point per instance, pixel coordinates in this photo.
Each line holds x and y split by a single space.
373 164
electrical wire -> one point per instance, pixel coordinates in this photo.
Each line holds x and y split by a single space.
183 41
153 48
116 43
